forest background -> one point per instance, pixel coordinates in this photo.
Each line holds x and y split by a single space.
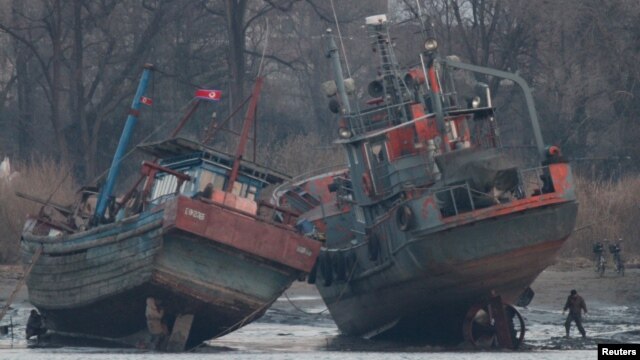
68 71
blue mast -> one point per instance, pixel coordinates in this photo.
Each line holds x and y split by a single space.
132 119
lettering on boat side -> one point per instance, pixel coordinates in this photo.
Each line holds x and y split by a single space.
194 213
303 250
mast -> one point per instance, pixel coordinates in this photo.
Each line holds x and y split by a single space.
332 53
244 135
132 119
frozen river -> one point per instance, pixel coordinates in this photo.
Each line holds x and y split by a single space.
286 332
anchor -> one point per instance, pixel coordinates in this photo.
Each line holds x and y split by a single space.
493 324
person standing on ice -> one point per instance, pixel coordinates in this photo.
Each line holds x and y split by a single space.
575 304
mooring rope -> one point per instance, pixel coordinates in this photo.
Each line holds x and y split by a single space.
34 258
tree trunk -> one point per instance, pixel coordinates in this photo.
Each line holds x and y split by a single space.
77 100
56 78
235 11
25 88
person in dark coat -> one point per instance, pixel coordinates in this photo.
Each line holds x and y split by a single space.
35 325
575 304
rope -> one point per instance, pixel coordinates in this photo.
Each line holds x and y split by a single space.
344 288
344 53
34 258
302 310
213 129
342 292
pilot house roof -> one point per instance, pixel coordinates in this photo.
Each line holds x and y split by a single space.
177 147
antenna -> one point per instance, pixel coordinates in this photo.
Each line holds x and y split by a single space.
344 52
264 48
424 28
427 28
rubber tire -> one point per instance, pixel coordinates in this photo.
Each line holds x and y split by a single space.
404 217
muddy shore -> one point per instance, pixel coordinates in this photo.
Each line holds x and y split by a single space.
298 321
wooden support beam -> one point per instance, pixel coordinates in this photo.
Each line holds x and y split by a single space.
180 333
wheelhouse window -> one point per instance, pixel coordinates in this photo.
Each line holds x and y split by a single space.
207 177
244 190
166 184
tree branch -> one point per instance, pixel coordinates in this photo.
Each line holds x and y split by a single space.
290 64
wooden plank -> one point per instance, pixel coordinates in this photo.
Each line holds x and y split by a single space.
70 280
49 265
91 292
180 333
89 239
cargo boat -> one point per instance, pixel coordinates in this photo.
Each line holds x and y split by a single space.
434 229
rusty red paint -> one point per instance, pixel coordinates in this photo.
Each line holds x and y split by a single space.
417 75
544 250
319 187
504 209
244 137
246 233
496 270
433 80
401 142
560 174
430 208
426 128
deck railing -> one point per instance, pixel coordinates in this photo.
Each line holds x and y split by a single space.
458 199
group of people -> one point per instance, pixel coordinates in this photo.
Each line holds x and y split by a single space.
614 249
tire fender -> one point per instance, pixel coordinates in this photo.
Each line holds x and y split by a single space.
404 217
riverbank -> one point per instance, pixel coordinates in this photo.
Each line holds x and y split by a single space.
299 324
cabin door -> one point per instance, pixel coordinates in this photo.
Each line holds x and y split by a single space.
379 166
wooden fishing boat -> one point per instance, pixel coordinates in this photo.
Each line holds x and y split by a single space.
196 237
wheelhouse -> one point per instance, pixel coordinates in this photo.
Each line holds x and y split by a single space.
203 166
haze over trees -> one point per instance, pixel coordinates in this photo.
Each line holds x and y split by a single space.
68 71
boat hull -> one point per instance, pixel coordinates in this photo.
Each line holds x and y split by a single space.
426 280
95 284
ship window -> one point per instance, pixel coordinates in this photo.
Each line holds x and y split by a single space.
359 214
207 177
238 188
244 190
251 192
378 151
188 186
164 185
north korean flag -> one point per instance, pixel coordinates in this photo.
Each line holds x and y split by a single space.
208 94
147 101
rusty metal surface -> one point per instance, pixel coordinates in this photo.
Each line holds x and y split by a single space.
444 272
246 233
